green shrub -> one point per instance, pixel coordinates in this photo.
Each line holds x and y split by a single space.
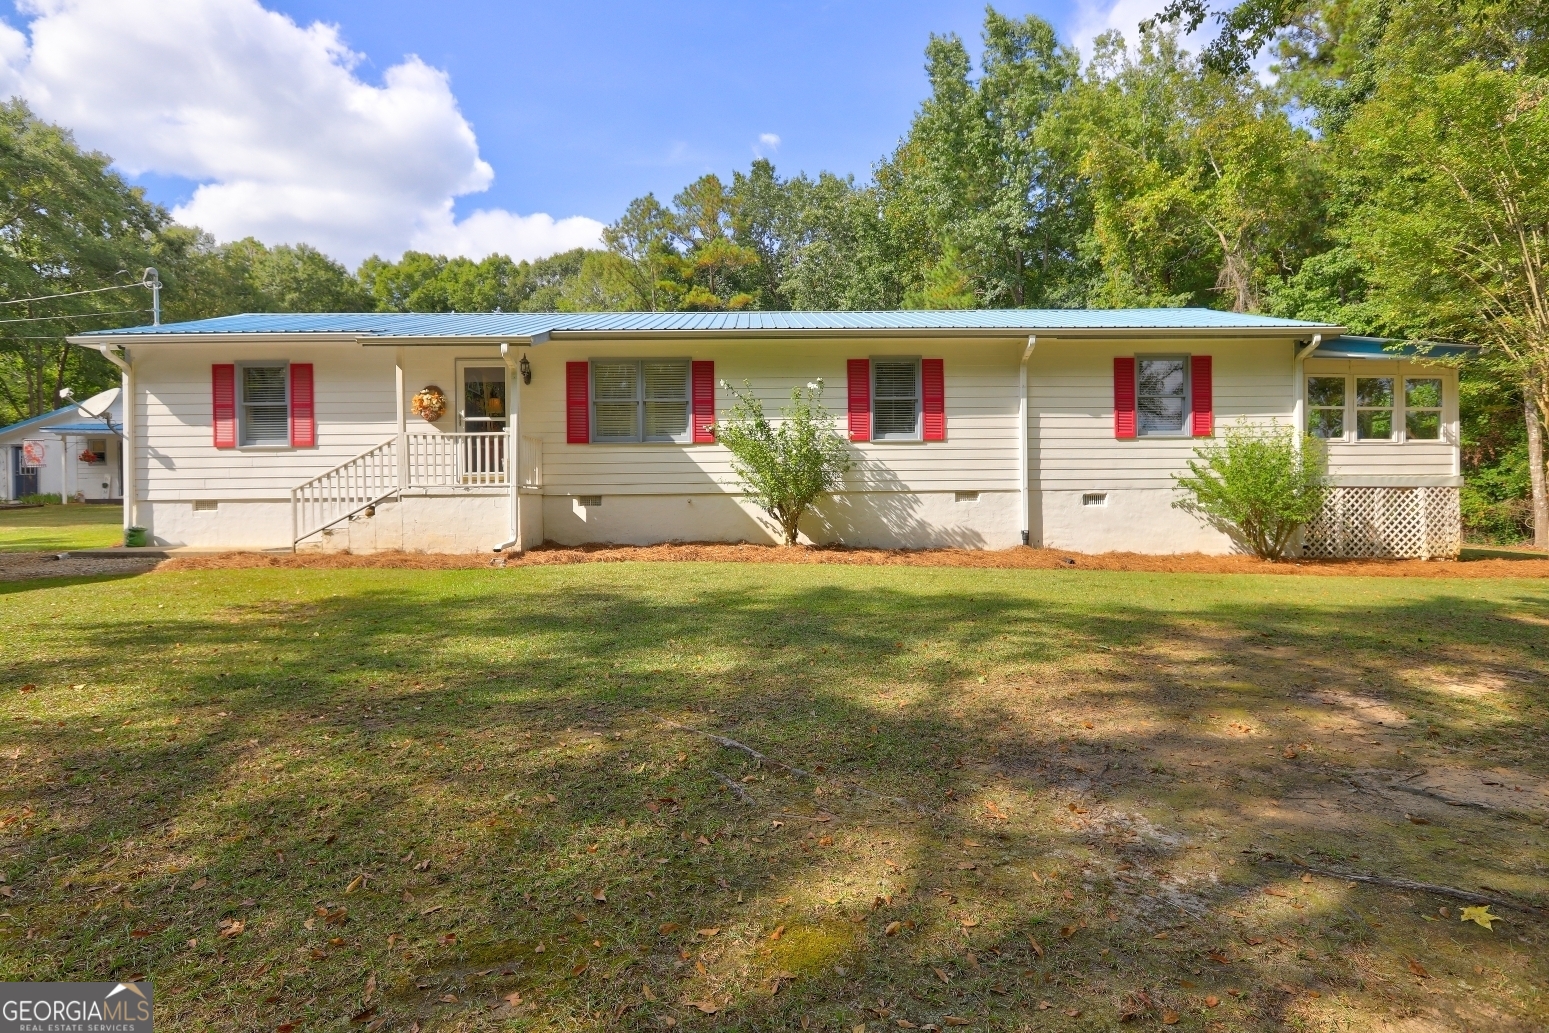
50 499
784 468
1258 484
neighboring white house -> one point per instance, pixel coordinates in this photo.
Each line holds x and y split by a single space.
978 429
65 452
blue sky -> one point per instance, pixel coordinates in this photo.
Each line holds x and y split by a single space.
582 106
476 126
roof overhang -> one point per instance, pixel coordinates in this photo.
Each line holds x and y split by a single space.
1278 333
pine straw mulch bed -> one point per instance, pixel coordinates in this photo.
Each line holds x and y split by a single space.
1005 559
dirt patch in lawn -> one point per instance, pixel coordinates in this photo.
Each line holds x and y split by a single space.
24 566
1006 559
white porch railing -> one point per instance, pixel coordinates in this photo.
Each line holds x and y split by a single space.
405 461
444 460
344 491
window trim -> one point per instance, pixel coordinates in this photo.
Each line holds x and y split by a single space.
639 438
1185 429
919 400
242 404
1400 409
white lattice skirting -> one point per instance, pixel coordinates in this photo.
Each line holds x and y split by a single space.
1400 523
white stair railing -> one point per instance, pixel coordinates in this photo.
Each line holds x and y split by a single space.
344 491
404 461
446 460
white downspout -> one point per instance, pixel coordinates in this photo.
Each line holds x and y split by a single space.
1022 452
1300 389
513 448
131 429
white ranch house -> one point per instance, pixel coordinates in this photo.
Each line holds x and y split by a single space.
976 429
72 452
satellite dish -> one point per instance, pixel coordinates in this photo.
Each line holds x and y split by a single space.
98 405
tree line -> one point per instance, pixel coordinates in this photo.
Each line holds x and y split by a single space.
1389 173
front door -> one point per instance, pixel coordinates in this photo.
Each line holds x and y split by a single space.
484 399
483 417
26 477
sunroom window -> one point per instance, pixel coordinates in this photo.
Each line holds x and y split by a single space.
1374 408
1422 408
1326 407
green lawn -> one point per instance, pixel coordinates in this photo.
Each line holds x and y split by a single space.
58 528
446 800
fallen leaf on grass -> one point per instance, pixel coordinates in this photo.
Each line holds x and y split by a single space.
577 970
667 928
1219 957
362 1017
1416 820
647 992
199 884
355 884
1212 1001
1479 916
1306 876
708 1007
370 985
953 1020
1170 1018
969 923
229 928
1074 1013
779 931
1160 936
599 895
893 929
707 933
1254 941
1418 969
447 998
1037 947
941 974
1275 891
513 998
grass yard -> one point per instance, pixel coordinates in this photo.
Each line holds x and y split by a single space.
447 800
58 528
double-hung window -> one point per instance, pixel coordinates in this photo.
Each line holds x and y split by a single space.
263 403
1374 408
1326 407
1161 394
895 399
640 400
1422 408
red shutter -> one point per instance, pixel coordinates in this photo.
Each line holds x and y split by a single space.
303 414
1124 396
860 399
223 400
578 417
703 380
933 393
1203 391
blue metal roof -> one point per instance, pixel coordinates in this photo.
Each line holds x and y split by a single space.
527 325
35 419
1354 346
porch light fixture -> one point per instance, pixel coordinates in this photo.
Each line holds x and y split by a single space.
525 369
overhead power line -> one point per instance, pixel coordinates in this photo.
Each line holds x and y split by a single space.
79 315
76 294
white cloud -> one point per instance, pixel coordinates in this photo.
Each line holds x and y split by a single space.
287 142
769 140
1095 17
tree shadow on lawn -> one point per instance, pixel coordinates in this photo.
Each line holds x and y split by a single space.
1102 779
